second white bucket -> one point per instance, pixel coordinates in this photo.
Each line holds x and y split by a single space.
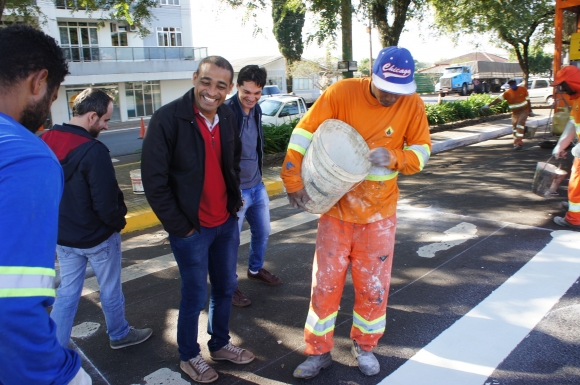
336 160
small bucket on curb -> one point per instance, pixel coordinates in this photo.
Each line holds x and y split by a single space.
547 179
136 181
334 163
529 132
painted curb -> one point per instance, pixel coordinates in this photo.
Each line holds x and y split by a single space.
143 219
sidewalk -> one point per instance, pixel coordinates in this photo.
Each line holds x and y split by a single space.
140 216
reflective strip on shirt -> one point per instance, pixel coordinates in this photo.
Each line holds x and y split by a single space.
369 327
574 207
518 105
22 281
300 140
422 151
378 173
320 327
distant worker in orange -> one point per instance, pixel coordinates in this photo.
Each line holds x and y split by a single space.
568 81
519 103
360 229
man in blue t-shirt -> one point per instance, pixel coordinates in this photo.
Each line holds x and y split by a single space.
31 185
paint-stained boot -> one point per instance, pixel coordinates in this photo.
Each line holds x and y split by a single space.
312 366
367 362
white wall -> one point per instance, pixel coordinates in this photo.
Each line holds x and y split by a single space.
59 109
173 89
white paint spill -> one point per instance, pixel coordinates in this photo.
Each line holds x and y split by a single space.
145 240
114 160
84 330
164 376
468 352
453 237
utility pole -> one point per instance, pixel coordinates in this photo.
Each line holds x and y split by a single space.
369 29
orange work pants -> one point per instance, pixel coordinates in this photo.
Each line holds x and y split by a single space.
573 214
518 126
368 248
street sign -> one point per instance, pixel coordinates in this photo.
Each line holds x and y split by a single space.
345 65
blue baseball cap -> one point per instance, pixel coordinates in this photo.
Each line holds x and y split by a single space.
393 71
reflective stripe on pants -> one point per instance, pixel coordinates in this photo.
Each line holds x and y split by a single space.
518 125
368 248
573 214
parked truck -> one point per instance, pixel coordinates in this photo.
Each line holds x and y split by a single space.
476 76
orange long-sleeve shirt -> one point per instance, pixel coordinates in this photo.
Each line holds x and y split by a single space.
402 129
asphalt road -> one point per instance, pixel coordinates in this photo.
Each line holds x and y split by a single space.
484 289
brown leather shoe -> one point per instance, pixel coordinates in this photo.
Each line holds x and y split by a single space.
233 354
199 370
240 300
266 277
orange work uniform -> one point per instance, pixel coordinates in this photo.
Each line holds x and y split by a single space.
360 229
573 213
518 102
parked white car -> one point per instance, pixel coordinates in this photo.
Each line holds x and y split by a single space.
282 109
540 90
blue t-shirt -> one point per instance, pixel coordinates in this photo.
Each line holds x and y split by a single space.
31 185
250 169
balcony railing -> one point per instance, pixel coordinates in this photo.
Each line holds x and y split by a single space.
128 54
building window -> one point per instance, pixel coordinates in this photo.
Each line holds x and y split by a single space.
168 37
79 41
112 89
302 84
143 98
169 2
276 81
119 35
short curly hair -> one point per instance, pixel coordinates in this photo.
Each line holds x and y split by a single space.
25 50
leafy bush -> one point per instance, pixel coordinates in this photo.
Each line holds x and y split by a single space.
470 108
276 138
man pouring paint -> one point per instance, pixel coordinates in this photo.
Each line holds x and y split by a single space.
359 230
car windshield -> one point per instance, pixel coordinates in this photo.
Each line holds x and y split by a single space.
270 107
454 70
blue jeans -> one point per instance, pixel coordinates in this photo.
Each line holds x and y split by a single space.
105 259
257 212
213 250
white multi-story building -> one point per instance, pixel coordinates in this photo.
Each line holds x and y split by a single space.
141 74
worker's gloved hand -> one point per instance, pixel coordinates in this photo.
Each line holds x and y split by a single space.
380 157
485 108
299 199
576 151
558 152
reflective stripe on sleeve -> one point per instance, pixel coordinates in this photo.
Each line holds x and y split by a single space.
422 151
320 327
517 105
22 281
300 140
369 327
574 207
378 174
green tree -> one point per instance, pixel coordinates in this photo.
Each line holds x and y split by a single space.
288 18
539 61
516 24
134 12
390 16
364 67
323 71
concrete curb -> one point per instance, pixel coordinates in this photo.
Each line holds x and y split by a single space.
143 219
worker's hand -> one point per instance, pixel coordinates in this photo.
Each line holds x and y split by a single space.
299 199
380 157
485 108
576 150
190 233
558 152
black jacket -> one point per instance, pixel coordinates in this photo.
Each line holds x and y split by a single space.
234 104
92 206
173 164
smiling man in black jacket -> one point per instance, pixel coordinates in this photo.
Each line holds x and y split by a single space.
91 216
191 176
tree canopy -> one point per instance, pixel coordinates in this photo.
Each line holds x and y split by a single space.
516 24
134 12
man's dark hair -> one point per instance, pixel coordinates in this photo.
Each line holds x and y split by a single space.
24 50
253 73
91 100
218 61
512 81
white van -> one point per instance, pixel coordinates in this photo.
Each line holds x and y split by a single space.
281 109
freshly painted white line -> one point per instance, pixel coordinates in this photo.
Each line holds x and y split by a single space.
468 352
119 130
165 376
167 261
453 237
114 160
85 329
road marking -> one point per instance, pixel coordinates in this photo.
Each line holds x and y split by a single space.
468 352
165 376
119 130
85 329
453 237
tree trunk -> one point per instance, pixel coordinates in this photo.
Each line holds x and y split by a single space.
346 26
2 5
388 34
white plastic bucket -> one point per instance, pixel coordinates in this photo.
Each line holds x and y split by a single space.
547 179
335 162
136 181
